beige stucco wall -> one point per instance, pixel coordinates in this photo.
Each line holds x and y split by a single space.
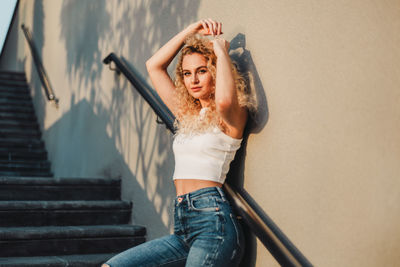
323 161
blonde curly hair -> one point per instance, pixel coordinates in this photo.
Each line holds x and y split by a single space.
188 119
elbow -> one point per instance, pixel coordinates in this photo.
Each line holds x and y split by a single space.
152 65
149 65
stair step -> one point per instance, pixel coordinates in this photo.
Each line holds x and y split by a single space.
6 148
30 155
14 90
30 188
16 102
25 173
15 95
24 165
17 116
13 83
59 213
14 87
16 109
18 124
22 154
83 260
21 143
5 133
12 75
24 90
64 240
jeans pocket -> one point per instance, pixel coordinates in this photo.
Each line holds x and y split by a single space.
204 204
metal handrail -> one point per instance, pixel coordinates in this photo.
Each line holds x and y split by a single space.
39 67
142 87
278 244
259 223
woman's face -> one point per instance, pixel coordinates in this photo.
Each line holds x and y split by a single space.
197 77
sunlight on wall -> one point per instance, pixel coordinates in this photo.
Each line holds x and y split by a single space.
322 159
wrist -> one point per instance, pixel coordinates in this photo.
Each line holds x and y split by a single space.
191 28
220 52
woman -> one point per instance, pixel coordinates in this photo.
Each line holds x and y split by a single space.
209 102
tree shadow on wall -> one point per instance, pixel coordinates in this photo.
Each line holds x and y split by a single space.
84 28
257 121
152 141
91 153
38 95
135 29
92 29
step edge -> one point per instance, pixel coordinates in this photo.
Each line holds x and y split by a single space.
61 232
11 261
51 205
58 181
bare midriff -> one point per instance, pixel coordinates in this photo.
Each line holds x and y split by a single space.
184 186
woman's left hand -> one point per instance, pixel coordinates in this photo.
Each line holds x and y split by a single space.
221 46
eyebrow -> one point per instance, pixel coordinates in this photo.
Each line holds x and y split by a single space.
204 66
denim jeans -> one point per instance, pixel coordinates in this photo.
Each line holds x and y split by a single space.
206 233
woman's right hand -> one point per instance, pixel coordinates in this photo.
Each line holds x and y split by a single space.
207 27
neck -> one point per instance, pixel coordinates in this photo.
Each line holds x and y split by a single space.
205 103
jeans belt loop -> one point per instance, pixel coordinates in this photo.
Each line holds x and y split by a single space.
221 193
188 200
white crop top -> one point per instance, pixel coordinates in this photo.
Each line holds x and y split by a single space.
204 156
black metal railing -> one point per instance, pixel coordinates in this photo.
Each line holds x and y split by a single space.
144 90
259 223
39 67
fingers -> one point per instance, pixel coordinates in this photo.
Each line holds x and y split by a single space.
219 28
204 25
212 27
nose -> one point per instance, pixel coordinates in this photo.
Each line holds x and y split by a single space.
195 78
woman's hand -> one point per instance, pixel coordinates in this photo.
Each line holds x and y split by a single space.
207 27
221 46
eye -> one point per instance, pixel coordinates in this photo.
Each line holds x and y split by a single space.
186 73
202 71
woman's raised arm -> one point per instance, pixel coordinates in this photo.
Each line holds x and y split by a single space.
226 100
157 65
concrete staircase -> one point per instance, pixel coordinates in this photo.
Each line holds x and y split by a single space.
22 153
47 221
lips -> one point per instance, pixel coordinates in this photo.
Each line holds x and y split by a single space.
196 89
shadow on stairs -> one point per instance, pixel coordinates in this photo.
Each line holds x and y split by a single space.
46 221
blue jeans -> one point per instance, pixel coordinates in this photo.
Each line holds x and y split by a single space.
206 233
